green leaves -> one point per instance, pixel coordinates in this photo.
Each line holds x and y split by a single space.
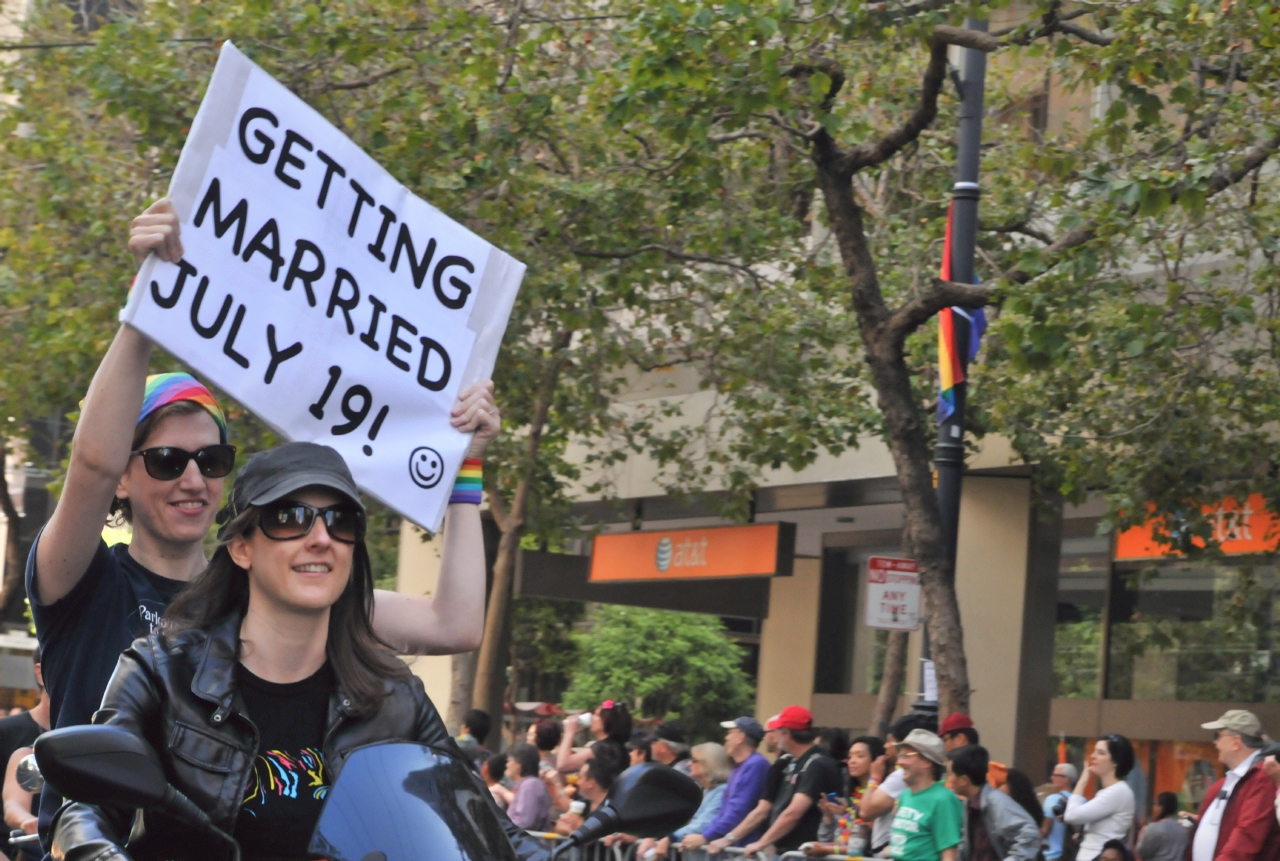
664 665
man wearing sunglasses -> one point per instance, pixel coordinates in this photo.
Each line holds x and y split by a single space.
153 451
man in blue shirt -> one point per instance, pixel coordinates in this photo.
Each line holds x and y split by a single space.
1053 829
746 781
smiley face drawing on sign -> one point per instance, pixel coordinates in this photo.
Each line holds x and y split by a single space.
426 467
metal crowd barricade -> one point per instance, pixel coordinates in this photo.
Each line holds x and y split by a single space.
730 852
594 851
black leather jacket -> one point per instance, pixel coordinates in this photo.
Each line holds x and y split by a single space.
183 701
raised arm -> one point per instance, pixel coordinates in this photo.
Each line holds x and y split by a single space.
452 619
1102 805
100 448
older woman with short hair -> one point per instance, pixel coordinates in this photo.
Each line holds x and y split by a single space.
710 768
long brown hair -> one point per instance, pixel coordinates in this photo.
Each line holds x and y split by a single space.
360 660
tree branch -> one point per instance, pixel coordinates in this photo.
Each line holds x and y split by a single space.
1020 227
361 83
871 154
1007 31
736 136
1226 177
885 16
497 507
671 253
508 44
1253 159
1100 39
830 68
942 294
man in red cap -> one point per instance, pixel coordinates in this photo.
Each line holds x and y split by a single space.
811 775
957 730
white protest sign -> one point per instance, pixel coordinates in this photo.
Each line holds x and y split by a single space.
893 594
322 294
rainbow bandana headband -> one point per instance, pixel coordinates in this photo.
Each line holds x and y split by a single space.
165 389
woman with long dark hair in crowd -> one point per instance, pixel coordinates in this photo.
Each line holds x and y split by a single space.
840 817
1018 787
266 674
1108 815
611 726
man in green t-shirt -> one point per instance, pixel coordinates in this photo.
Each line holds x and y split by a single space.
930 818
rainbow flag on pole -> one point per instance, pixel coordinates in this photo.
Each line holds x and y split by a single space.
954 326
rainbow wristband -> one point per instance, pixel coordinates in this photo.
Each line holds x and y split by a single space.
467 490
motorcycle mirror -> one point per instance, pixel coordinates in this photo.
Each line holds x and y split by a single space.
101 765
647 800
28 774
111 767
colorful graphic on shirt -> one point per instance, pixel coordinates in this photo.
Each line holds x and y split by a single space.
284 775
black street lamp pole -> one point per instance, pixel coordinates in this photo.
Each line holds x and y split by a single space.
948 455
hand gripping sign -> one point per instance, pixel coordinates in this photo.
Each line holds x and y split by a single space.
321 293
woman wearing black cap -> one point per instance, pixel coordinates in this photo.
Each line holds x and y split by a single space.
267 672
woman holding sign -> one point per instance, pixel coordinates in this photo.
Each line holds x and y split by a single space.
268 665
155 451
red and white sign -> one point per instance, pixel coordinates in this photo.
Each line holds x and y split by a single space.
893 594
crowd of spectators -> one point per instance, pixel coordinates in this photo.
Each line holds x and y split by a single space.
924 793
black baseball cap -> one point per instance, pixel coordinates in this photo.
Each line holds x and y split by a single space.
271 475
670 731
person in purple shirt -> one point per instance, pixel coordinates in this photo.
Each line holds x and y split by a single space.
530 805
746 782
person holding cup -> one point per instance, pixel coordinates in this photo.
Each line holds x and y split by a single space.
611 726
594 780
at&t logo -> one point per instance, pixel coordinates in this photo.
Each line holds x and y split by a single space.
663 556
687 554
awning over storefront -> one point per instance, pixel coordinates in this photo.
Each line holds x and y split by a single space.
724 571
1238 529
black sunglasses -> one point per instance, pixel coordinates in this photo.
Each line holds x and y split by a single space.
285 520
166 462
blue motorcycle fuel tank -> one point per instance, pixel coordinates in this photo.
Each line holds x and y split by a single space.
409 802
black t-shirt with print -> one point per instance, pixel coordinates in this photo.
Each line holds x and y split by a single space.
773 779
287 788
814 774
83 633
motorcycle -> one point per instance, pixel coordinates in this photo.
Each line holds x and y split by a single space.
393 801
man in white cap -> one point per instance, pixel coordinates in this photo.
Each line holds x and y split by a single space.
930 819
1237 821
749 828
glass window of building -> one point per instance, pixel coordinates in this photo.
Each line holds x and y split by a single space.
1083 568
1194 631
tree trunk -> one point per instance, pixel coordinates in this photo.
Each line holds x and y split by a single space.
891 676
491 662
922 528
12 585
462 675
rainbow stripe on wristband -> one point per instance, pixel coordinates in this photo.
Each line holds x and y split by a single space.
470 484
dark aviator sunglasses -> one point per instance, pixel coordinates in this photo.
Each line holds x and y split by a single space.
286 520
166 462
